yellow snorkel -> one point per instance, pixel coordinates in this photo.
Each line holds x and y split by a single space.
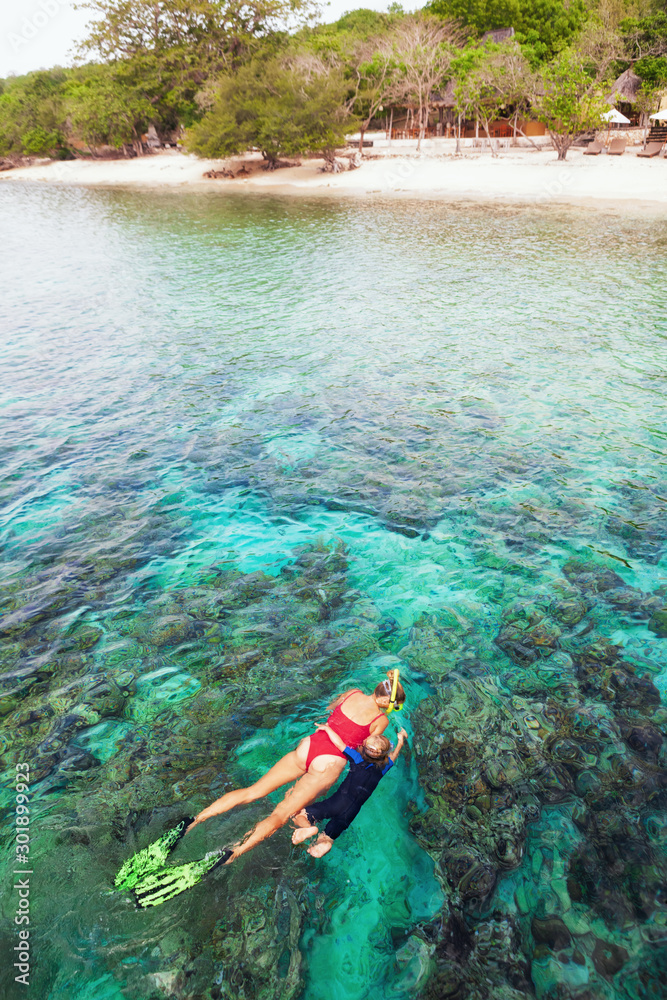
392 699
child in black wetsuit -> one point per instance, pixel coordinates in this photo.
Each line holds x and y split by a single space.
368 765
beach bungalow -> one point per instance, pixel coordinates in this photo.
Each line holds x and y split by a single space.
403 119
404 126
624 95
446 124
498 35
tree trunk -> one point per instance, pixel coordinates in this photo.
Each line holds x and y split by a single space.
561 143
458 136
391 125
362 133
423 117
533 144
331 165
494 152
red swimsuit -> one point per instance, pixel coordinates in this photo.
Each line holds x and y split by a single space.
352 734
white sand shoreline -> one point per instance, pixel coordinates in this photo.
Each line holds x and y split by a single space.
517 175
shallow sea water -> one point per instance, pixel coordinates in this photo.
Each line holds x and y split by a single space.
198 387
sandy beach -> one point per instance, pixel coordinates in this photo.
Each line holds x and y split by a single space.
516 174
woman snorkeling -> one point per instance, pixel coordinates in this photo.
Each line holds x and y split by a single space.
316 763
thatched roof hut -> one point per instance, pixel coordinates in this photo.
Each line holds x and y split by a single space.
626 88
438 99
498 35
444 98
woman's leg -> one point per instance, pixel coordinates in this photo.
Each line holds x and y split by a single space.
304 792
288 768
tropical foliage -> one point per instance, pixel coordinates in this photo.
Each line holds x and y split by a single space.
282 107
225 75
544 27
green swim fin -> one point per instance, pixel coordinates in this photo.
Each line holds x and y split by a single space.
160 886
152 858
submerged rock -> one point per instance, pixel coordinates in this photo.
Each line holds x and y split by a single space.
257 943
570 611
608 958
82 638
643 738
658 622
592 577
552 932
169 630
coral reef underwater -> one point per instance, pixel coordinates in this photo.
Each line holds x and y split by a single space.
213 662
539 748
257 450
547 790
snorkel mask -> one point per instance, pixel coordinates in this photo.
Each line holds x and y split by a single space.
392 699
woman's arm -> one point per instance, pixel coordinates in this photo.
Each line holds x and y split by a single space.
402 736
334 737
379 726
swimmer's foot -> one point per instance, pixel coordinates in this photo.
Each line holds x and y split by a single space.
303 833
321 847
232 853
301 819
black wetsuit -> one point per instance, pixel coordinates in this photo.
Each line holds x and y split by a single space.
342 807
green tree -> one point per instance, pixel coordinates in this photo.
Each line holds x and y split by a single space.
169 49
543 27
208 33
570 98
653 70
38 142
423 48
364 23
359 44
571 101
492 80
337 43
281 107
646 43
374 69
647 36
480 15
102 112
163 80
33 115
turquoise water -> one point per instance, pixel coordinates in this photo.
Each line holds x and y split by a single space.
252 451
